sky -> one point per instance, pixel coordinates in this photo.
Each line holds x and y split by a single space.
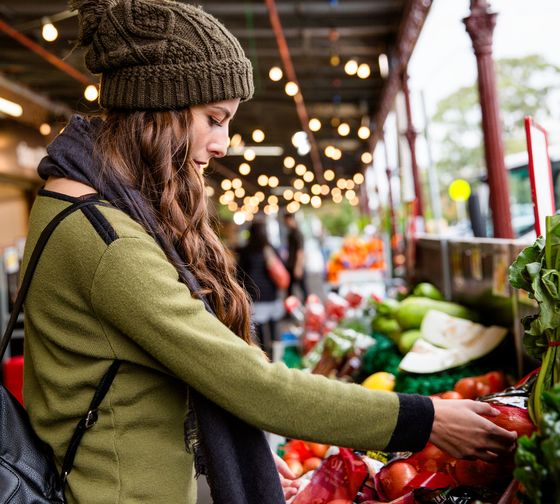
443 59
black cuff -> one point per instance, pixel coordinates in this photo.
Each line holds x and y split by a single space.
414 425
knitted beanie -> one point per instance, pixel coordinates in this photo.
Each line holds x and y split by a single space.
160 55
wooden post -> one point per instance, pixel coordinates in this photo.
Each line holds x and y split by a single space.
480 27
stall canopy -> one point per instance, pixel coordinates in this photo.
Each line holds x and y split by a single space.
320 36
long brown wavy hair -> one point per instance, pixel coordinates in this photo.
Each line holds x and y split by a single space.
150 151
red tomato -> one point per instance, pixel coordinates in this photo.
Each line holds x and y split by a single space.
496 380
340 501
451 394
394 478
478 473
295 466
311 464
431 459
482 388
466 387
318 449
291 455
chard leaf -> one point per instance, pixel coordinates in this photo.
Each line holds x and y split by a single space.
517 273
552 246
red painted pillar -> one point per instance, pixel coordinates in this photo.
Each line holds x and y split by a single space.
480 26
410 135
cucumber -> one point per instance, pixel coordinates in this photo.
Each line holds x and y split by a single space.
411 311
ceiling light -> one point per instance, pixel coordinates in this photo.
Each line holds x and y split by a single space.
226 184
291 88
235 140
305 199
49 31
351 67
273 181
262 180
329 175
91 93
45 129
363 71
288 194
366 158
358 178
259 150
275 74
289 162
258 135
300 169
249 154
383 65
10 108
316 202
308 176
314 124
364 132
244 169
343 129
239 218
298 184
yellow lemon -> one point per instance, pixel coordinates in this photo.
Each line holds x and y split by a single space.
380 381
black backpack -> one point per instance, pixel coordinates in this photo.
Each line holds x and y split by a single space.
27 471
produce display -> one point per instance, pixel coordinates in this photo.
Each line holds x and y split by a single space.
366 340
355 253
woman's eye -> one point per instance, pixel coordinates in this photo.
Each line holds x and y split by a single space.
214 122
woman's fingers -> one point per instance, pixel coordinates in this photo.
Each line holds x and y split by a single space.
283 468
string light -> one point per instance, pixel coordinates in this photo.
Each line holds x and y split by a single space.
289 162
308 176
259 194
314 124
235 140
316 202
272 200
262 180
258 135
325 190
316 189
249 155
351 67
288 194
329 175
236 183
291 88
49 31
244 169
364 132
366 158
335 60
358 178
226 184
273 181
329 151
45 129
343 129
275 73
239 192
209 191
305 198
337 154
300 169
91 93
298 184
293 207
363 71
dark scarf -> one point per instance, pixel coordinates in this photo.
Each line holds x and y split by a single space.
233 455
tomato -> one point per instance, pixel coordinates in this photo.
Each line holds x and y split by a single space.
318 449
482 388
311 464
466 387
431 459
451 394
394 478
291 455
513 419
295 466
478 473
496 380
340 501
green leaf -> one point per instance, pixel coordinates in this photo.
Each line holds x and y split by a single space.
518 275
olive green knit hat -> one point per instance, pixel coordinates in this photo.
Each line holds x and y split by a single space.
160 55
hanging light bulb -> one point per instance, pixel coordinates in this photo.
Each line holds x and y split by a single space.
329 151
291 88
364 71
209 191
236 183
308 176
289 162
366 158
91 93
364 132
288 194
249 155
45 129
244 169
329 175
298 184
258 135
337 154
358 178
275 73
343 129
351 67
262 180
316 202
305 198
273 181
300 169
235 140
49 31
314 124
226 184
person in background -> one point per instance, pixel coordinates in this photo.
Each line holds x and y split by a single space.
139 278
267 308
295 262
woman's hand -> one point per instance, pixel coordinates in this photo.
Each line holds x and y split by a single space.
459 430
290 484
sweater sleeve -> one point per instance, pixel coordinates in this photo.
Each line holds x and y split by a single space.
137 292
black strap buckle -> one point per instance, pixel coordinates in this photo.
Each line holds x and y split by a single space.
90 419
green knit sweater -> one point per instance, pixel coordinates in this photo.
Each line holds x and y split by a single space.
104 290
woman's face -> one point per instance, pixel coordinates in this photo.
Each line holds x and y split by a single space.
210 130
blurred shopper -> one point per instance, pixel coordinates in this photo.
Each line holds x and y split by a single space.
139 278
296 257
267 308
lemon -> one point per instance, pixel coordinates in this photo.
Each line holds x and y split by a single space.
380 381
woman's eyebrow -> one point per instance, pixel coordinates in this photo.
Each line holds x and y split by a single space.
225 111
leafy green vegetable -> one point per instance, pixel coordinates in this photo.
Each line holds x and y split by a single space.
536 270
537 459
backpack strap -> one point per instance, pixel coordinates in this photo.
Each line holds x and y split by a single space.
90 418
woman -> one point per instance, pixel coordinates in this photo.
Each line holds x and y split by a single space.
140 277
267 308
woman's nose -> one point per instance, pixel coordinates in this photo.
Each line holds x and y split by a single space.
218 146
